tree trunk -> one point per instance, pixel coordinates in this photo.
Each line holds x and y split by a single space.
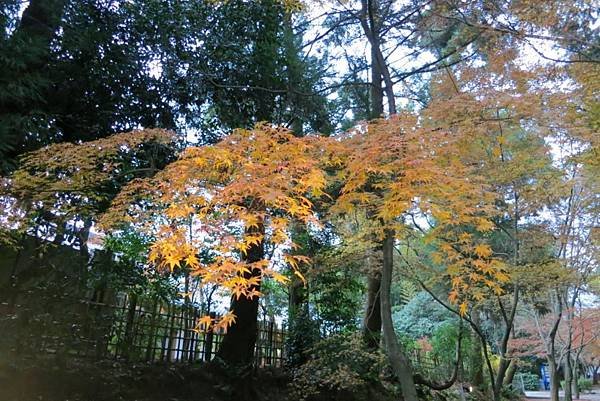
127 347
554 379
570 377
237 348
568 373
509 318
187 325
300 335
500 375
238 344
551 349
372 320
398 360
575 371
298 340
41 19
476 357
376 104
31 50
510 373
369 19
298 300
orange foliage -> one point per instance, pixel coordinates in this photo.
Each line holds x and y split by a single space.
231 197
77 179
402 166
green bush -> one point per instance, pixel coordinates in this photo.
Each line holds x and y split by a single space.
338 364
530 381
444 340
584 384
510 393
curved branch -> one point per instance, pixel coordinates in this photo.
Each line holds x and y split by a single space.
473 326
448 383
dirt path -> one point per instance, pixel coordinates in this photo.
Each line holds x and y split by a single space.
545 395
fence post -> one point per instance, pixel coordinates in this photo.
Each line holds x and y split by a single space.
172 350
208 340
194 336
128 336
269 350
164 350
151 340
185 315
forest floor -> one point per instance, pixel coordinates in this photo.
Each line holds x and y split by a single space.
112 381
119 382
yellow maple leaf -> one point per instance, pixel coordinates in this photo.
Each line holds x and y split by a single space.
192 261
172 261
483 250
280 278
463 308
484 225
453 296
300 276
227 320
204 323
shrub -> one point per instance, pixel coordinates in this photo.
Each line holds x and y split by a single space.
510 393
530 381
444 341
340 363
584 384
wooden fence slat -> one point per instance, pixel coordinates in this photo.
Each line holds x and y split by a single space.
136 329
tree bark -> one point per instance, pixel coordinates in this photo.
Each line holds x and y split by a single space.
551 351
237 348
568 373
376 104
554 379
510 373
298 340
570 380
504 364
372 320
476 357
398 360
34 34
575 386
369 16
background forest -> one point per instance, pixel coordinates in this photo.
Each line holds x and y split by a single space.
307 200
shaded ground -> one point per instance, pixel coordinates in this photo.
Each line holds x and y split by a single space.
109 381
115 382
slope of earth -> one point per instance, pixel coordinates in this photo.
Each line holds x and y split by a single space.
111 381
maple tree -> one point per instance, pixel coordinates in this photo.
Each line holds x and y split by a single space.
574 216
509 113
241 193
399 166
76 182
